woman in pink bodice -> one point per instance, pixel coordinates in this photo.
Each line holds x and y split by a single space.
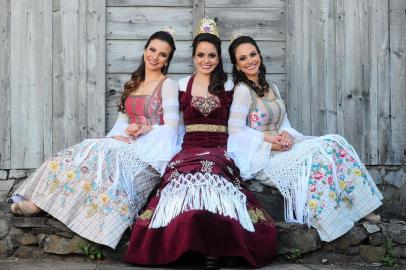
97 187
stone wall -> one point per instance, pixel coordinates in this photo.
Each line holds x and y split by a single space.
366 243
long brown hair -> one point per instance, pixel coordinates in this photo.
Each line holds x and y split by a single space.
218 77
138 75
239 76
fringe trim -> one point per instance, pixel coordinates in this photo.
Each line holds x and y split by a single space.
200 191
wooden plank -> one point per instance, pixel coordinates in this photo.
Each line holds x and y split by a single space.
29 52
270 26
47 88
5 90
340 51
96 67
123 56
198 11
355 107
294 62
317 59
398 80
379 134
68 86
115 82
330 82
306 99
245 3
150 3
141 22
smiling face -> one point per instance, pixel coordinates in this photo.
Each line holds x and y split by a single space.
156 55
248 59
206 58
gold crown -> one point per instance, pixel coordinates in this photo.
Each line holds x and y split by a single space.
170 31
235 35
207 25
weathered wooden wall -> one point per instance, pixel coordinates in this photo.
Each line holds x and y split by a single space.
52 77
346 67
129 23
340 63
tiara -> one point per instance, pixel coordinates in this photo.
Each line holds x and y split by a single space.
207 25
170 31
235 35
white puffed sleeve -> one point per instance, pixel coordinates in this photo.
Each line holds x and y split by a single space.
285 125
120 126
246 146
159 145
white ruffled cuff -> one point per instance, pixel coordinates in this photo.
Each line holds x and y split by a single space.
249 151
157 147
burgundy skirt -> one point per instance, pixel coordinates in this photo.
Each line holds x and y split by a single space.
200 230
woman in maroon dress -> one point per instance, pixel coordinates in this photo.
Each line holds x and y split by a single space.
201 205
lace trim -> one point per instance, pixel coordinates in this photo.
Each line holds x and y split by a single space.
201 191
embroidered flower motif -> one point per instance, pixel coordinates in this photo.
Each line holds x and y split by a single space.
146 215
257 215
357 172
202 154
173 164
342 153
313 204
312 188
318 175
53 166
330 180
70 175
254 117
84 169
87 186
174 174
332 195
54 185
105 198
206 105
342 184
124 209
207 166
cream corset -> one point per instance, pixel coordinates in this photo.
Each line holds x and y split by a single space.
266 114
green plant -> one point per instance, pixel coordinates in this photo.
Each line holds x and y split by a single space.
389 259
295 256
93 252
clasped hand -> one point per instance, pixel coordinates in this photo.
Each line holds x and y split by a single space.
280 142
133 130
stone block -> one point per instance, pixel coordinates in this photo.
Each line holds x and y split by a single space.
370 227
17 174
3 175
396 178
59 245
272 203
390 192
6 248
371 254
396 230
29 222
4 228
25 239
5 187
69 235
58 225
376 175
352 250
41 239
4 208
376 239
297 237
25 252
400 251
402 201
45 230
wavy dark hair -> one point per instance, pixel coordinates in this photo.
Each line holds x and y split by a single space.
239 76
218 77
138 75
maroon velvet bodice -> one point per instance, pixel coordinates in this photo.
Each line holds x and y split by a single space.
191 115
